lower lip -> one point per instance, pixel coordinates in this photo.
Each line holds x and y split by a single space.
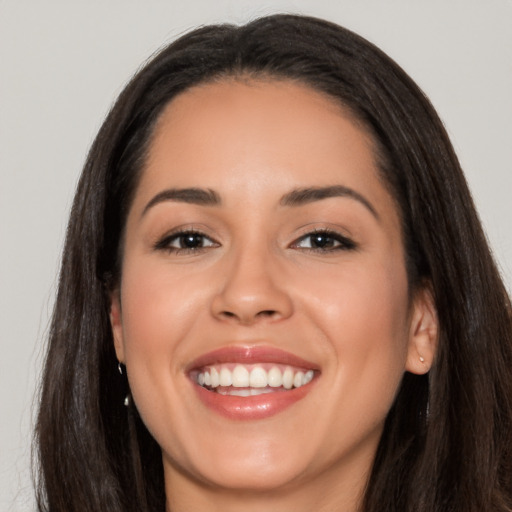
252 407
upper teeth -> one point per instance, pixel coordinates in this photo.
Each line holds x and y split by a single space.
254 376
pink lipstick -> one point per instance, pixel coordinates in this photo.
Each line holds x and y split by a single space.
249 383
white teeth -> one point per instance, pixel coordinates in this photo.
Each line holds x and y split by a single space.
274 377
240 392
298 380
225 378
255 392
258 378
231 391
288 378
254 377
214 377
240 376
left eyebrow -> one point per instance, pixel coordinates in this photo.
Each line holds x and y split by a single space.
301 196
200 196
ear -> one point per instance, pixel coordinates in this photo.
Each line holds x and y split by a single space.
423 335
117 325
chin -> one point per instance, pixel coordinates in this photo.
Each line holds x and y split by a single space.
252 476
258 466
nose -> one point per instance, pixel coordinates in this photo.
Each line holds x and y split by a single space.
253 290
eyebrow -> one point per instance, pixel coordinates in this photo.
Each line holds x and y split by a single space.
199 196
297 197
303 196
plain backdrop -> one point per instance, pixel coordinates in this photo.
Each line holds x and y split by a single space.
62 65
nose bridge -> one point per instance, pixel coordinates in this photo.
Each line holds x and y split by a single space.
252 287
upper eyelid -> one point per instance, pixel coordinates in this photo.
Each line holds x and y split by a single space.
162 242
343 239
332 231
331 234
186 229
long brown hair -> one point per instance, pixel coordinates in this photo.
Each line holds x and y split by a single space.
446 444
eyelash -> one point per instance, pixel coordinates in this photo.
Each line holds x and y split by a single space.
336 241
341 242
165 243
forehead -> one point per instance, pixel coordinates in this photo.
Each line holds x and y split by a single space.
259 138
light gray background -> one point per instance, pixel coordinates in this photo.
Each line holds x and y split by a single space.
63 63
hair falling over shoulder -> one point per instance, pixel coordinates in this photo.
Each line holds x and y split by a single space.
447 441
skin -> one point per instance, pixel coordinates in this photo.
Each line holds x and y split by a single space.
255 278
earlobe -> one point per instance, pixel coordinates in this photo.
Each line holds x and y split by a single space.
423 334
116 325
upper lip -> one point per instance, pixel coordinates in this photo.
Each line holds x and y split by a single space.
250 355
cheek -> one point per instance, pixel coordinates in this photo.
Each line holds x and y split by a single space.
362 315
369 296
157 303
159 309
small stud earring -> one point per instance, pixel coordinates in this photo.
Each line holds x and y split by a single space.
126 400
120 369
422 359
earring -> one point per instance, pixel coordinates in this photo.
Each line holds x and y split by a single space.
127 400
120 368
422 359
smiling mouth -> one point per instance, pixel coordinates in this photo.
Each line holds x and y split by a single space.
252 380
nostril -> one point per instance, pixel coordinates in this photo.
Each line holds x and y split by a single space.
267 312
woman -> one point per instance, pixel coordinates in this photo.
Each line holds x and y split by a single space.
275 293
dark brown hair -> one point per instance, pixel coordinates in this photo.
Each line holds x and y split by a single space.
446 444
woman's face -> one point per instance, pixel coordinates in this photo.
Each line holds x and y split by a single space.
263 251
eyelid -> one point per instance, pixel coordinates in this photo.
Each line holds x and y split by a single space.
163 242
344 242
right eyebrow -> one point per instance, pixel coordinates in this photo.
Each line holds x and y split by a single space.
301 196
200 196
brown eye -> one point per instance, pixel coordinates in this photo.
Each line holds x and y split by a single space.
189 241
324 241
186 241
